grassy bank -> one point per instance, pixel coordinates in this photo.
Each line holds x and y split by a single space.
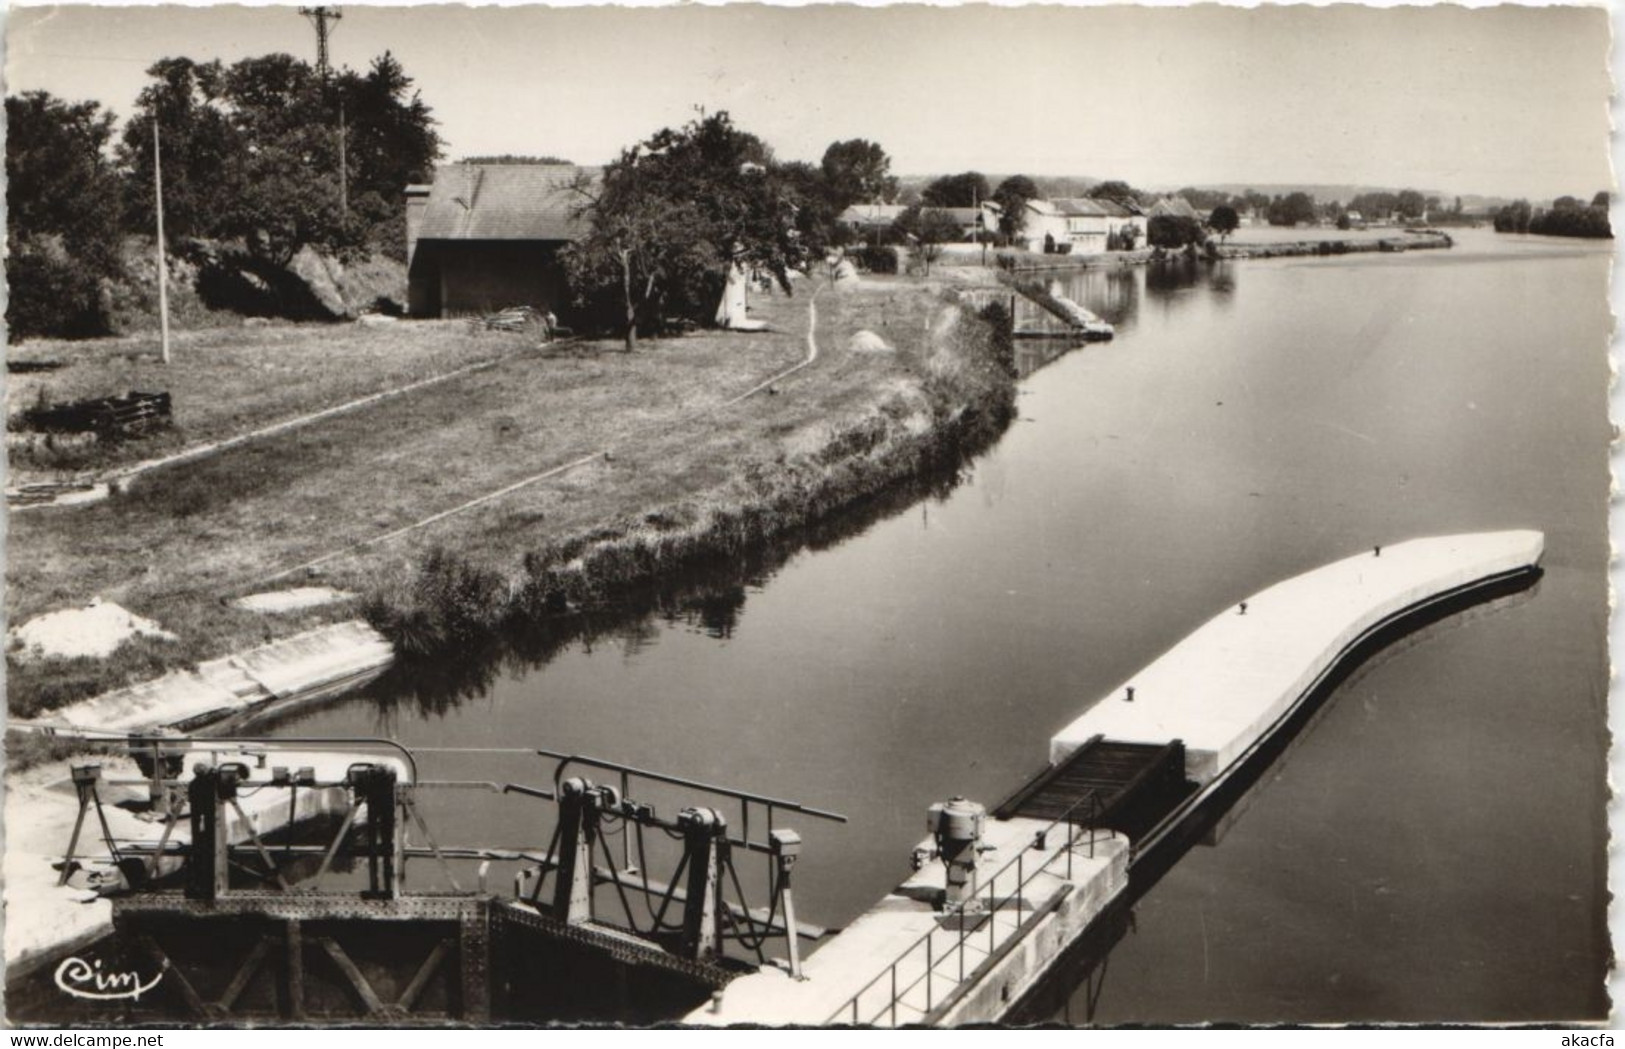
687 475
224 381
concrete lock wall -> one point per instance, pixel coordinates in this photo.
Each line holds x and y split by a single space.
1018 971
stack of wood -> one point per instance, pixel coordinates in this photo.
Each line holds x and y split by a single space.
110 418
518 319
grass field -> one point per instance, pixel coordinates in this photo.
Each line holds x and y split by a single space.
224 381
186 538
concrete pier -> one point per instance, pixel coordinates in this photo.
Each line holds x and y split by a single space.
1222 691
1224 687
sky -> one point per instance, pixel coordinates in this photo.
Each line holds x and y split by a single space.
1509 101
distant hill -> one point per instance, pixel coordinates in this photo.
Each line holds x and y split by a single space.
909 186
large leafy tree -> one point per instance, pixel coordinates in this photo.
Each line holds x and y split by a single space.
1292 209
202 149
1174 231
858 172
1224 221
253 151
964 190
1116 190
929 229
62 199
1012 197
1410 204
673 214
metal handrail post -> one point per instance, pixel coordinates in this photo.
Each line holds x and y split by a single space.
929 965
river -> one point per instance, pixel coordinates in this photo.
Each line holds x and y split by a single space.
1432 848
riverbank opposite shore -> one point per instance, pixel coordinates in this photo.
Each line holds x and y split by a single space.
1333 243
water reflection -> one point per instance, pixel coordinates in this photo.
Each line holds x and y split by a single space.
1117 293
710 598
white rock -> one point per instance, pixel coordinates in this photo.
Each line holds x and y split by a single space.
866 341
94 631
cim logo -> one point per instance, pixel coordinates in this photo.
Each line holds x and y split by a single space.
89 980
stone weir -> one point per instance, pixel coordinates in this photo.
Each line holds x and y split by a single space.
996 899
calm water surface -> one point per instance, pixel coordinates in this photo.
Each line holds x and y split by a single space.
1432 848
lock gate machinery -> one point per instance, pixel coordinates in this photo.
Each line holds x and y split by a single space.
246 923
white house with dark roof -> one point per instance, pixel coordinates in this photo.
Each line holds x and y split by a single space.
484 237
1080 225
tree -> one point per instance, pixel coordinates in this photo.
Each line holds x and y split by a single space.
673 215
1253 201
1174 231
858 172
1410 205
202 150
1224 221
254 151
964 190
1599 201
1572 220
1292 209
929 229
1203 199
1012 197
1117 190
1514 217
817 208
62 201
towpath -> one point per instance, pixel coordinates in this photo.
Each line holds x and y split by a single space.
562 468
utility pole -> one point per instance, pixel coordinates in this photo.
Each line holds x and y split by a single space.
320 17
344 165
163 263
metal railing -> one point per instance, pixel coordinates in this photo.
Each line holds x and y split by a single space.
1080 821
745 800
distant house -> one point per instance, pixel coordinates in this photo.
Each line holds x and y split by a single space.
870 221
1080 225
972 221
485 237
1086 222
1121 217
1176 206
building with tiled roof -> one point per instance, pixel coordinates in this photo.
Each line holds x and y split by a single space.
1178 207
484 237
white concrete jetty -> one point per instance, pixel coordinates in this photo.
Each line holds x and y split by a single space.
979 959
1151 750
1224 687
46 920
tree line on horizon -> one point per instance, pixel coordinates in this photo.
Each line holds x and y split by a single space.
1567 217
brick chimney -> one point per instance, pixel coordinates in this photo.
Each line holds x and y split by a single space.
417 202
